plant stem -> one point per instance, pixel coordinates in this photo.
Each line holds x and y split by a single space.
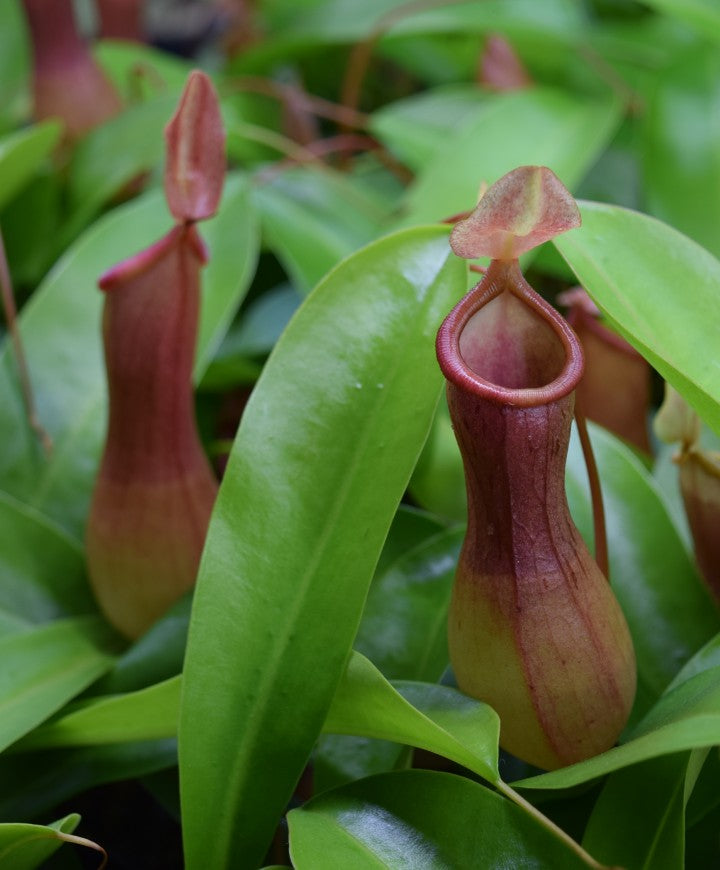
547 823
8 302
599 531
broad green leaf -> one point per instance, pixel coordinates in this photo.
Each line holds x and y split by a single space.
136 67
638 821
669 611
313 218
117 153
21 155
703 15
42 569
61 331
681 160
659 289
436 718
44 668
346 398
567 135
421 820
148 714
403 629
686 717
25 847
36 782
416 127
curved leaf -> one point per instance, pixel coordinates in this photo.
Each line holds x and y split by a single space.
25 847
50 665
42 568
21 153
659 289
436 718
322 457
567 135
420 820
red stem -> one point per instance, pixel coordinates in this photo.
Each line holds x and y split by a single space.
598 508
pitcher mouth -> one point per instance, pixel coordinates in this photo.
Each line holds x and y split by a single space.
504 343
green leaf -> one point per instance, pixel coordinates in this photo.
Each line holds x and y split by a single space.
312 219
416 127
659 289
567 135
130 65
681 162
296 29
438 482
436 718
703 15
156 656
346 398
148 714
21 155
403 629
42 568
60 327
420 820
14 65
668 608
36 782
24 847
639 819
46 667
118 152
686 717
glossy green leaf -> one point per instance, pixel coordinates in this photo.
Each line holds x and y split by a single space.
46 667
686 717
681 163
25 847
22 153
706 658
42 569
148 714
668 609
659 289
436 718
61 332
313 218
567 135
420 820
638 821
346 398
403 629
